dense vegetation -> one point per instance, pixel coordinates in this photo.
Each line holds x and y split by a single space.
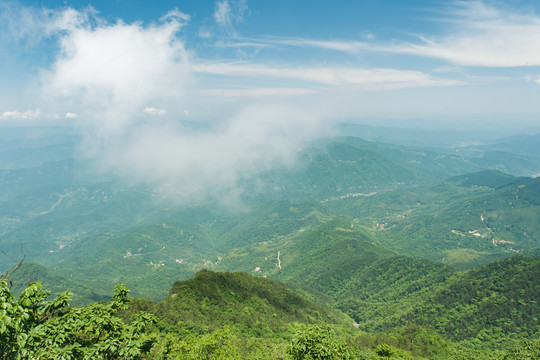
235 315
32 328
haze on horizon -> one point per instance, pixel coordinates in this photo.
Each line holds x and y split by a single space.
225 88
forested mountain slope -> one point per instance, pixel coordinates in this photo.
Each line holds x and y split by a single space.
254 305
492 303
463 221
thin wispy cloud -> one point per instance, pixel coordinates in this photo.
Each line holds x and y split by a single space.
228 13
483 36
328 76
478 35
222 14
31 24
352 47
258 92
534 79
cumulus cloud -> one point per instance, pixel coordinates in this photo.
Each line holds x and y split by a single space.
109 73
71 115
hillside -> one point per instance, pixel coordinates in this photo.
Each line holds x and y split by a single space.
463 221
497 301
341 166
81 293
254 305
51 205
493 303
235 315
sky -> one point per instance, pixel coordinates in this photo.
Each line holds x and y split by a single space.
442 61
160 88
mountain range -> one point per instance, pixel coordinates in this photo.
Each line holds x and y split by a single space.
388 234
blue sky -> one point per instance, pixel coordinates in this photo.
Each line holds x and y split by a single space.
445 62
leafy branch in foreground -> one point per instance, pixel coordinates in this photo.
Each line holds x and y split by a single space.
31 327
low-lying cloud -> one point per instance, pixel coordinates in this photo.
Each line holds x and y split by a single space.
191 164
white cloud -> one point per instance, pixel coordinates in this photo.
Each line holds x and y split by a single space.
17 115
478 35
108 74
222 14
329 76
227 13
241 9
154 111
32 24
344 46
258 92
109 71
44 118
176 17
483 35
71 115
353 47
208 164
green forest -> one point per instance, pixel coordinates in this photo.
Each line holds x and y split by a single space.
223 315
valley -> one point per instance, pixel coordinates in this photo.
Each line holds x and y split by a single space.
383 236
